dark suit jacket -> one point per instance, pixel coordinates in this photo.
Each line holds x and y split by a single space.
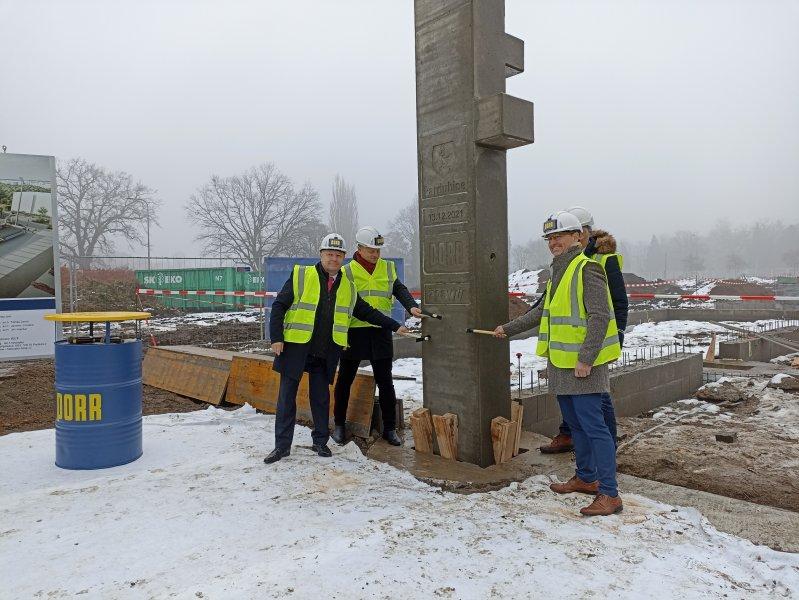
291 361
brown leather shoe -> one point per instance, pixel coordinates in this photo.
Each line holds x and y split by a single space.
560 443
575 484
603 506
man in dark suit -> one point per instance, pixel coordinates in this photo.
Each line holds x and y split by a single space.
308 327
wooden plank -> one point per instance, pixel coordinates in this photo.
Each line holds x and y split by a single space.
510 443
252 380
422 427
710 355
361 404
199 351
446 428
517 415
188 371
500 430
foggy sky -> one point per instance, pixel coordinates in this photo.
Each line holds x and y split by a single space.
656 115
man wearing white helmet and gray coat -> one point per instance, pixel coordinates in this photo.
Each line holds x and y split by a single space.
377 282
599 246
308 327
578 335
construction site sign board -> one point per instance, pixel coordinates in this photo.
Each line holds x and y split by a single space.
30 282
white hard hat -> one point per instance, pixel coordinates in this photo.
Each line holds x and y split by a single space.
585 217
333 241
370 237
561 221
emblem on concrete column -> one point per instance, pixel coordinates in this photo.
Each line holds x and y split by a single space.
443 156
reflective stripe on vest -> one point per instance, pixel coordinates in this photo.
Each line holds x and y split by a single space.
564 324
299 320
376 289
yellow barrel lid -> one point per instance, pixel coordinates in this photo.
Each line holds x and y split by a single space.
97 317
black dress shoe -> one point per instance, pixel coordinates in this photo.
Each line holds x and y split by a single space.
276 454
339 434
390 435
321 450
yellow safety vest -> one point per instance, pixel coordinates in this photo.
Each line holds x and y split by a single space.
603 258
299 320
376 289
564 323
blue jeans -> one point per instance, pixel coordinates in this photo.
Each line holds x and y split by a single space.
594 449
608 413
319 392
607 410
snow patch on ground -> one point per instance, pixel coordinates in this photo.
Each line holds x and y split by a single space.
785 359
524 281
205 319
690 406
760 280
200 515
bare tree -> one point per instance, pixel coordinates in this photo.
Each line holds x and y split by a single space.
306 242
255 214
532 255
344 210
97 205
402 241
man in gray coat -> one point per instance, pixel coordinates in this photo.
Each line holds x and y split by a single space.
578 335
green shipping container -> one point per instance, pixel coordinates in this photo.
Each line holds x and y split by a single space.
212 279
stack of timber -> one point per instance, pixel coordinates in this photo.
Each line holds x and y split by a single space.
215 376
505 434
446 427
423 425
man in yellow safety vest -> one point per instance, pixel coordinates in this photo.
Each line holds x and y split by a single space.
578 335
376 281
600 246
308 326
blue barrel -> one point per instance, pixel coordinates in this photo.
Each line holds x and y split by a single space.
98 404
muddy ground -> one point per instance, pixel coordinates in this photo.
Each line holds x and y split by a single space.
760 466
27 400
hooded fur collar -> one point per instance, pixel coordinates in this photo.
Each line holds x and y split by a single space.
604 243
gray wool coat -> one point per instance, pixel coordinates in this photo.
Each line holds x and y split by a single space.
595 298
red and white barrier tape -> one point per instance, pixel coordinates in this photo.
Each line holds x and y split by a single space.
653 283
151 292
417 294
701 282
709 297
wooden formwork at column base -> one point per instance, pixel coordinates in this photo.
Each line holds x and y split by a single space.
191 371
252 380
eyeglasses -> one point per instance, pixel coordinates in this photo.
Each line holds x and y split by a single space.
560 234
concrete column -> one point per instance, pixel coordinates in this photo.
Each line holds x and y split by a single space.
465 123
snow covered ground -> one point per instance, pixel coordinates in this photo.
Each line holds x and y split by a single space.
205 319
201 516
524 281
